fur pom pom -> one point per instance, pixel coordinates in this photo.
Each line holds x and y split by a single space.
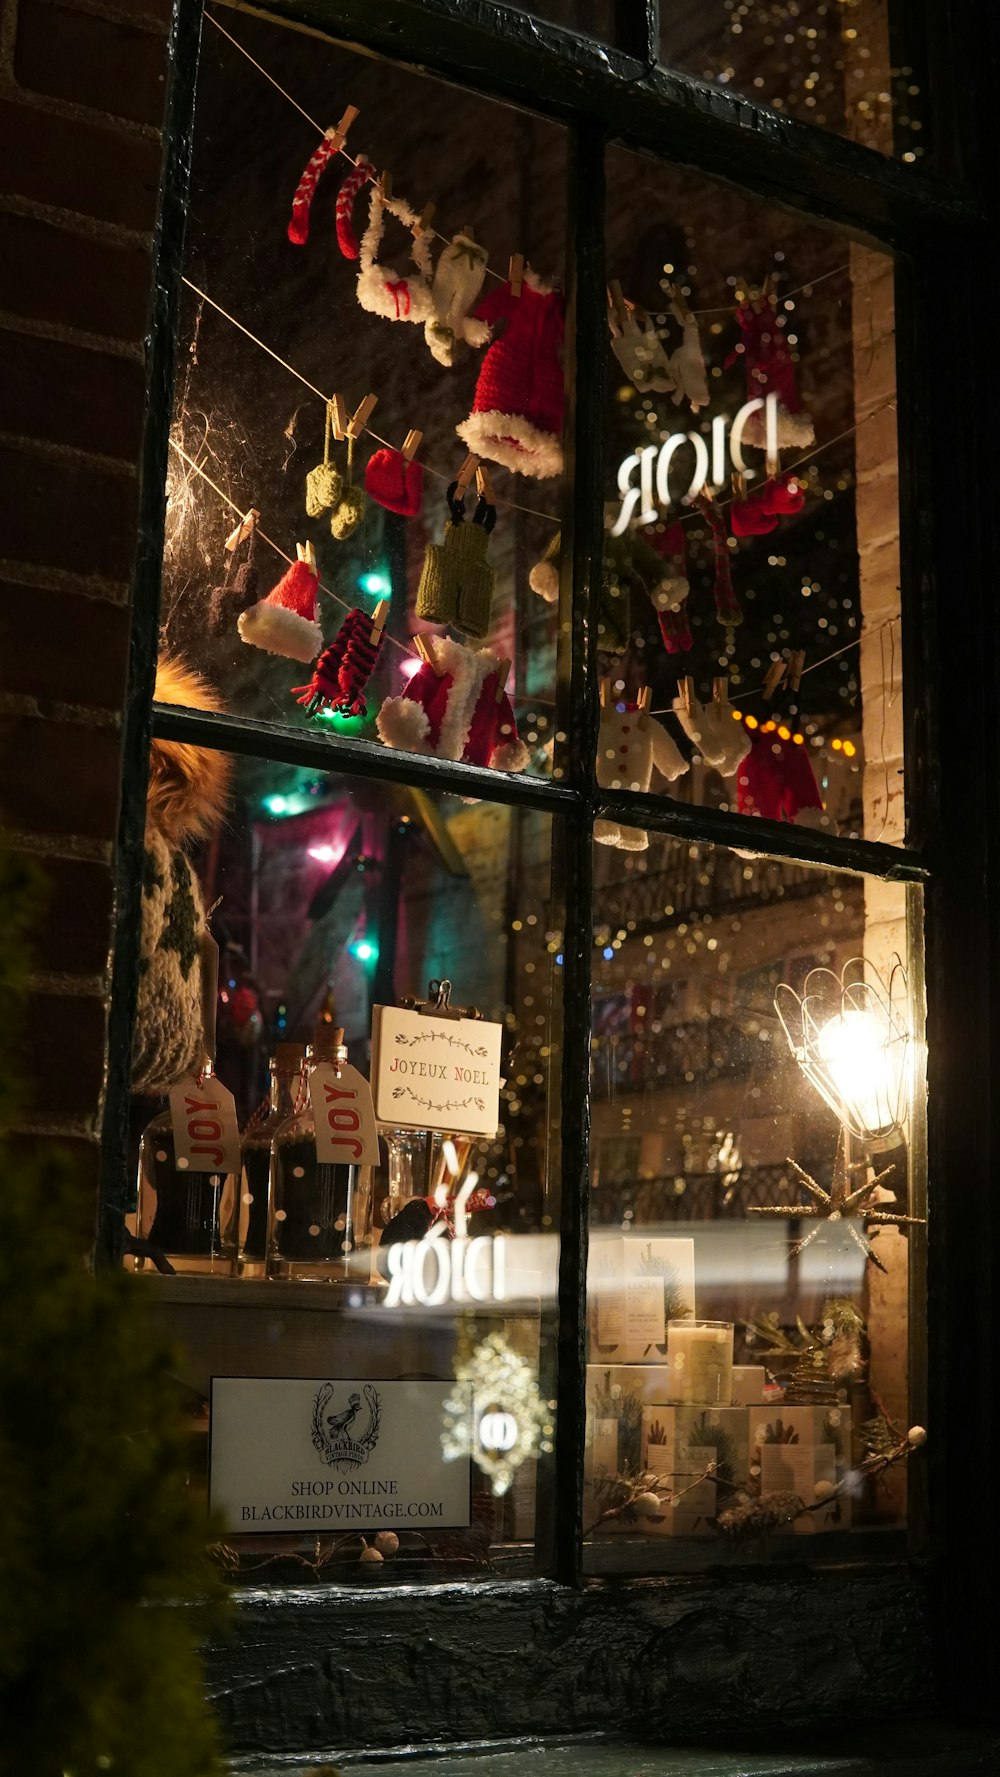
403 723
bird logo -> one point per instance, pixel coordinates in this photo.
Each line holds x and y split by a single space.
334 1434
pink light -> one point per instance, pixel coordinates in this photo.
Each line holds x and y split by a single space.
410 666
326 854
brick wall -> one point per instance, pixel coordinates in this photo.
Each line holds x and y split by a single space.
82 94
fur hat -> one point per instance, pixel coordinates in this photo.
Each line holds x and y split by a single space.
188 785
517 413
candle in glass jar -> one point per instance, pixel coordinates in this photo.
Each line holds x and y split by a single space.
700 1361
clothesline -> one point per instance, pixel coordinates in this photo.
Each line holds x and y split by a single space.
372 179
216 489
511 505
856 642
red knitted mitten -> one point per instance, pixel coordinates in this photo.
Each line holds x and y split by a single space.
727 607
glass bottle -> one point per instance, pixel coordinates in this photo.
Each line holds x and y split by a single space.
320 1212
408 1169
285 1068
185 1218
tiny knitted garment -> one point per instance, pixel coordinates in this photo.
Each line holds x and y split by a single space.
344 668
347 240
298 226
639 350
727 606
381 289
285 621
456 583
750 515
396 484
630 745
544 576
776 781
324 484
687 363
517 413
672 587
238 590
458 280
167 1039
721 740
449 708
770 371
784 494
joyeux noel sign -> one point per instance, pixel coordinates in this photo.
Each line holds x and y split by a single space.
435 1073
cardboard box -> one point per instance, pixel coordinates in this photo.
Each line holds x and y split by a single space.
809 1429
672 1434
634 1286
749 1384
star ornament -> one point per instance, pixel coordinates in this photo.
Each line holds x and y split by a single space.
841 1204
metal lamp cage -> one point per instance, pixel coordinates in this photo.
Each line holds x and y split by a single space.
850 1034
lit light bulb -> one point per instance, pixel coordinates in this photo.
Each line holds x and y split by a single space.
324 854
863 1060
498 1431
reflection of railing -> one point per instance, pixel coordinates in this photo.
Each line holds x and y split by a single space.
682 1054
700 1196
700 879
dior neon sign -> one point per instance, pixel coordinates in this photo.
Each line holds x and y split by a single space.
709 466
435 1270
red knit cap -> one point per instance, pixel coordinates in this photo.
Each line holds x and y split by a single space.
517 414
285 621
396 484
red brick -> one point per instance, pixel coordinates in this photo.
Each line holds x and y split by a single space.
92 61
86 167
51 274
62 1054
59 777
64 647
68 515
76 900
66 394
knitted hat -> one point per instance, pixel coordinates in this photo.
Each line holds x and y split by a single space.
750 515
395 483
770 371
783 494
517 414
285 621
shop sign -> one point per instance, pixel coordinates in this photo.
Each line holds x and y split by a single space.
650 480
307 1455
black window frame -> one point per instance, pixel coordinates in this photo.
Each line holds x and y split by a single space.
937 224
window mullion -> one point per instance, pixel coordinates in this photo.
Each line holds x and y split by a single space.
586 346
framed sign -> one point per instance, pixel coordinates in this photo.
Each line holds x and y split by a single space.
435 1073
314 1454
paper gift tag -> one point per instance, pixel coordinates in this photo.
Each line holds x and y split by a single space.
344 1115
206 1132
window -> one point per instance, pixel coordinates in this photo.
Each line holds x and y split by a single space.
589 702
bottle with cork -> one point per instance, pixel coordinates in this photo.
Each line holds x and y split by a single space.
286 1068
320 1211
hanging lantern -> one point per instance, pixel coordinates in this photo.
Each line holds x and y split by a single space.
850 1034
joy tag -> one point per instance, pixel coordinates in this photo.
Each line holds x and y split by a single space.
206 1132
344 1115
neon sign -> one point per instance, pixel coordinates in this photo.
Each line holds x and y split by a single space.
654 463
427 1273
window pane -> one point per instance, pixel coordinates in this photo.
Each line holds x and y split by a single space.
427 322
753 361
734 1319
844 65
435 1266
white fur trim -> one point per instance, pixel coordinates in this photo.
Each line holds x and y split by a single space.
544 579
375 296
511 755
280 631
403 723
468 668
795 430
811 817
441 341
373 279
541 286
736 752
475 333
491 435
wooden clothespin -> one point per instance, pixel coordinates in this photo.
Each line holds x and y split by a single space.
644 699
425 219
679 302
685 691
385 186
602 692
485 485
411 445
617 303
515 273
378 619
796 663
465 474
720 692
425 651
773 677
338 417
243 529
502 671
359 420
337 137
739 483
305 552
